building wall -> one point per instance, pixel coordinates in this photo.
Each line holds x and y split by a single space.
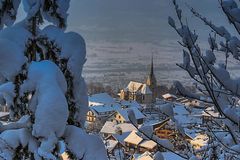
142 149
91 117
119 118
140 98
4 109
132 148
124 95
146 98
164 133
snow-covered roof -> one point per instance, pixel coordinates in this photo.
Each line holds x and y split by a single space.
130 104
111 144
183 116
180 109
120 137
138 88
110 127
134 86
105 108
145 156
168 95
145 89
3 114
133 138
102 109
136 139
100 98
160 124
149 144
170 155
124 113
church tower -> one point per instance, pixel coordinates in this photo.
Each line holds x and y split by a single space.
152 82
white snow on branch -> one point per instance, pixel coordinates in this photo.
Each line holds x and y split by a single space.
51 110
73 48
83 145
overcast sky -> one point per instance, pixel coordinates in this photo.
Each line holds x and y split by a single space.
135 20
131 20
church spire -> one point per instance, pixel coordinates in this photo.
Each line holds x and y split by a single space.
151 72
151 80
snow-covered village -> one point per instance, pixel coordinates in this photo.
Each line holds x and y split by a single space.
119 80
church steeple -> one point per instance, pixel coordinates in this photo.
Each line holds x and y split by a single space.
151 72
151 80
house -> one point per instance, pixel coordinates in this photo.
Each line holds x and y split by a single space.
111 146
144 93
102 106
167 130
111 128
134 142
169 97
118 141
4 116
119 137
162 130
137 91
121 115
101 112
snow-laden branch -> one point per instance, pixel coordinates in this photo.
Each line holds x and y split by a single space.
8 12
189 94
83 145
24 122
49 83
220 87
54 11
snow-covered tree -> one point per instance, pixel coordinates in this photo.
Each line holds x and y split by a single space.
215 84
42 85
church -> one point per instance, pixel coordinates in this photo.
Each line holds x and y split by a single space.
144 93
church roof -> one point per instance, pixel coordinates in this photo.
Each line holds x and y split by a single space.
151 79
145 89
134 86
138 88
